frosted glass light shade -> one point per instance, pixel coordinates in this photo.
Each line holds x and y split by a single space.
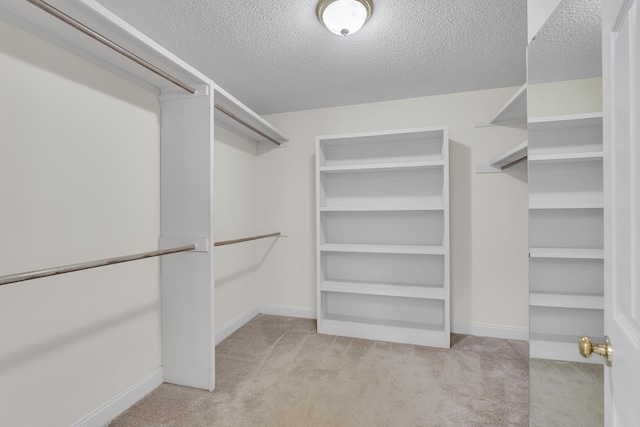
344 17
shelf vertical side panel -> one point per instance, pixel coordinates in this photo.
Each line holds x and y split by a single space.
446 237
186 210
320 262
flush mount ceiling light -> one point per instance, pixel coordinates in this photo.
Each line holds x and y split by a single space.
344 17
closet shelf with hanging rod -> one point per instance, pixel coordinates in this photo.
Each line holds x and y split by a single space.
154 69
506 160
513 114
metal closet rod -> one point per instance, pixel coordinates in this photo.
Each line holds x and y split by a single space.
105 41
246 239
515 162
46 272
245 124
29 275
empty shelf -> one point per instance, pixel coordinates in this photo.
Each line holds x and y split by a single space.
556 122
382 166
513 112
558 347
510 156
566 253
593 302
434 207
567 205
383 249
399 290
595 155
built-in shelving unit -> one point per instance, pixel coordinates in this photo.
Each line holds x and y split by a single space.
383 236
566 234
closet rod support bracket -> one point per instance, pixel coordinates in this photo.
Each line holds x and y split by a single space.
201 243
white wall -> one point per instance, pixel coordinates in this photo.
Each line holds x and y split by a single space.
79 180
237 281
565 97
489 278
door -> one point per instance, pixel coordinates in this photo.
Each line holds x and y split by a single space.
621 97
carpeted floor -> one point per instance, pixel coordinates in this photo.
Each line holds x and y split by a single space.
277 371
566 394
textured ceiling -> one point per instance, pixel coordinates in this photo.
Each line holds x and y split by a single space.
568 46
275 56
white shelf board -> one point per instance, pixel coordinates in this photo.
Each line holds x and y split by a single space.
567 205
382 208
566 253
98 18
412 134
382 322
382 166
592 302
385 330
513 112
242 112
383 249
101 20
557 122
495 165
399 290
566 157
558 347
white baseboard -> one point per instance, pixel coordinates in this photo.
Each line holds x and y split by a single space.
492 331
479 330
115 406
285 310
236 323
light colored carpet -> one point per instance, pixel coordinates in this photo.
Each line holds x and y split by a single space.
277 371
566 394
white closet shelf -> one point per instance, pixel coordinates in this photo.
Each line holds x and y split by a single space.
513 112
557 122
509 156
558 347
101 20
593 302
383 208
382 166
385 137
381 322
576 253
566 205
394 290
250 118
566 157
386 330
389 184
383 249
495 165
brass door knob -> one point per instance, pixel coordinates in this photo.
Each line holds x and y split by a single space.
587 348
